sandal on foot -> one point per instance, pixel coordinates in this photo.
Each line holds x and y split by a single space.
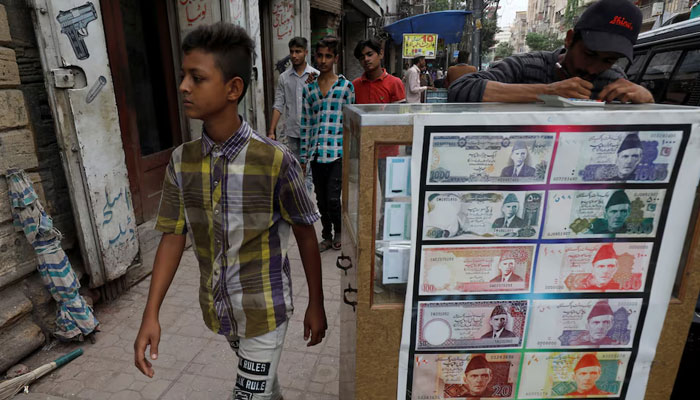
337 244
324 245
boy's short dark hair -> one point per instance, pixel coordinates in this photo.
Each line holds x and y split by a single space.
463 57
231 46
416 60
330 42
371 43
299 42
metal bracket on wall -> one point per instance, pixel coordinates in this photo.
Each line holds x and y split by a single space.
63 78
345 297
343 262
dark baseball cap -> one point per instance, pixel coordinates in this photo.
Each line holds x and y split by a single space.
610 25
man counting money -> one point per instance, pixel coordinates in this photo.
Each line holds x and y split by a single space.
629 154
600 321
586 373
604 268
617 209
498 321
510 217
506 266
519 168
477 377
584 68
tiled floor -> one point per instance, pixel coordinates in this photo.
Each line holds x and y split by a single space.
193 363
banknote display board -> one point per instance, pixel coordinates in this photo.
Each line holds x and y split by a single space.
543 255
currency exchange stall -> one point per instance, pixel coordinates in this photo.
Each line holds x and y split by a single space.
517 251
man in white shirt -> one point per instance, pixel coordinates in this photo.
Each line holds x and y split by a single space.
413 87
288 96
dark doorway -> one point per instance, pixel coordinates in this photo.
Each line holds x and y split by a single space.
139 44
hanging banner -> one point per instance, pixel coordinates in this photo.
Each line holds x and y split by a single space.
537 247
420 44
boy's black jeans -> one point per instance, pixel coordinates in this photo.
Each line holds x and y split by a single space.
328 181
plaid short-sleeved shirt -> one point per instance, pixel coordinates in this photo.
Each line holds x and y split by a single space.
237 201
321 135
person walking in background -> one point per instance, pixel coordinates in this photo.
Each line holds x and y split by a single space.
288 94
413 86
375 85
459 69
322 137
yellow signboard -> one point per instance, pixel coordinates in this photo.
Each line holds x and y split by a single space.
420 44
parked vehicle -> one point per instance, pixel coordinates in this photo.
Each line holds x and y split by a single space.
667 62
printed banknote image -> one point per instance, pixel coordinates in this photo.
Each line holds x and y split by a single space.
464 325
603 213
592 267
566 375
482 215
459 269
583 323
468 158
465 376
646 156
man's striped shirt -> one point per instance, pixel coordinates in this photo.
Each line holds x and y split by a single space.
527 68
321 136
237 201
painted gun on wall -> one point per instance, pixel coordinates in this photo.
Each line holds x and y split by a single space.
74 24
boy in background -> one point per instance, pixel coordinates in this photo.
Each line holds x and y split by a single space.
322 137
237 194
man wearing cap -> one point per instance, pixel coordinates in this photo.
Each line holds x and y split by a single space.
600 321
629 154
583 69
498 321
617 209
519 168
586 373
603 271
506 266
510 217
477 377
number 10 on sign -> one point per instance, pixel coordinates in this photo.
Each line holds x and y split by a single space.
420 44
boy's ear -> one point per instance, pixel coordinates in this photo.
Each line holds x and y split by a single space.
234 89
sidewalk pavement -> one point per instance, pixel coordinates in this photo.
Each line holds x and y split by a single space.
193 362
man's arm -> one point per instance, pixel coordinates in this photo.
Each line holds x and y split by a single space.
502 83
306 125
167 260
626 92
277 107
315 323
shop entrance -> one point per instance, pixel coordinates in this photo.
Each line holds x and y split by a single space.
140 42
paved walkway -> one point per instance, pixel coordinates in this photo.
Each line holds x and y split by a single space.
193 362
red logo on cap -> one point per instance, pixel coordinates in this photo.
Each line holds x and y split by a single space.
621 21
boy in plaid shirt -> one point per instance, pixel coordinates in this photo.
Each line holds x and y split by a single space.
322 137
237 194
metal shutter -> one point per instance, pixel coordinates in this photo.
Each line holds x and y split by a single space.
332 6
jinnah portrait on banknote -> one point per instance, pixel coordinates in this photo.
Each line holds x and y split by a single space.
519 165
477 377
603 270
498 322
586 373
617 210
506 266
600 322
629 154
510 217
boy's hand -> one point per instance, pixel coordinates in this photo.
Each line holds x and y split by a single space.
149 334
311 78
271 135
315 323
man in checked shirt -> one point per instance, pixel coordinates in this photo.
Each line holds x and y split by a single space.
239 195
322 137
